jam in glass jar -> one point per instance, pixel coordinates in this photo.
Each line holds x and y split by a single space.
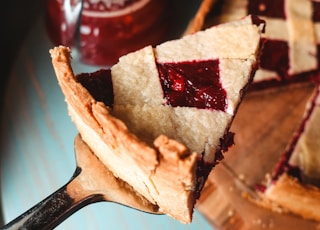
103 30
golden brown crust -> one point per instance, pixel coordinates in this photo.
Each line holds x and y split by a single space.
113 189
289 193
117 147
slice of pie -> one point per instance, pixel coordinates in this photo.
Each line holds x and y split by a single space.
292 39
159 119
295 185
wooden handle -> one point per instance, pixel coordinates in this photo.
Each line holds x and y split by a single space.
263 126
197 21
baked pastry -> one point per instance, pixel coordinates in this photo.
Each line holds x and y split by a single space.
290 55
296 177
292 39
164 121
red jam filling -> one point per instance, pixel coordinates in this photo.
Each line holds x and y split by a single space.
316 11
267 8
270 60
193 84
316 18
189 84
279 61
276 61
99 85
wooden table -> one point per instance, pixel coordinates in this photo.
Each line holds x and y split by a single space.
263 126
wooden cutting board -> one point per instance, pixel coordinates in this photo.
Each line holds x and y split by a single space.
263 126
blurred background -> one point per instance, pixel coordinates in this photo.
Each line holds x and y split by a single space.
16 18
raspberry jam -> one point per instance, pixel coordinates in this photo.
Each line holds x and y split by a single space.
193 84
279 61
190 84
99 85
267 8
106 29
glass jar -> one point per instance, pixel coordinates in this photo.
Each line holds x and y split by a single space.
104 30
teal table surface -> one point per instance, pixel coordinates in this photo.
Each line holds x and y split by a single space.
37 155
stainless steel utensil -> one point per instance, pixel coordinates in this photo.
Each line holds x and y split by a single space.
92 182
